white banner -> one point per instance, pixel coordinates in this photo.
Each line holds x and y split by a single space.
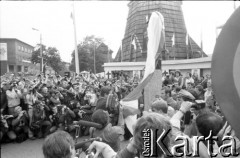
3 51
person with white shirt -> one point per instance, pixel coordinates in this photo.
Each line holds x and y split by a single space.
188 79
13 96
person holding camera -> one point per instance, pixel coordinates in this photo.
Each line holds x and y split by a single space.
4 126
19 128
40 124
110 134
65 119
13 96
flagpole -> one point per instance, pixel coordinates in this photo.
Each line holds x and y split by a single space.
75 39
187 46
121 51
201 43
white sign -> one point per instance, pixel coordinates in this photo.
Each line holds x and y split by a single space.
3 51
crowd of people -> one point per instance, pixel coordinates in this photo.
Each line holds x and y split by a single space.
36 107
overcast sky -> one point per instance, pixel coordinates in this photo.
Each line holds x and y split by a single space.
104 19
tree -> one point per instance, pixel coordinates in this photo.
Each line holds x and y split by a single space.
36 54
51 57
86 54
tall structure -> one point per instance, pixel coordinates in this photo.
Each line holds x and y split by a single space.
15 55
134 44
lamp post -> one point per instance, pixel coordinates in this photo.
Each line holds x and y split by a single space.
41 53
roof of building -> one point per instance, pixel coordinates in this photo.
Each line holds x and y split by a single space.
139 12
15 39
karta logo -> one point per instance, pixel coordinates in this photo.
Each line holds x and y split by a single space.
185 146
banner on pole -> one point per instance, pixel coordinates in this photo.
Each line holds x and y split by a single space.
3 51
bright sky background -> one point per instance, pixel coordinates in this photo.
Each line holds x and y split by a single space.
106 19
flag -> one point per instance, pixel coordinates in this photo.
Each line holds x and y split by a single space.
173 39
187 44
155 40
121 51
187 39
201 44
138 43
134 43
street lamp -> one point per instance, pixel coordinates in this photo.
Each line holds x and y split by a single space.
41 54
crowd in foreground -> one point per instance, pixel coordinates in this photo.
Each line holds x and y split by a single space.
35 107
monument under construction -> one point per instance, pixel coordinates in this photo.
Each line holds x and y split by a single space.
178 44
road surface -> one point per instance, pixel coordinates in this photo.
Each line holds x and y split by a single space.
28 149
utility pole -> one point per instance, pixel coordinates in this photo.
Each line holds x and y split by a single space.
41 52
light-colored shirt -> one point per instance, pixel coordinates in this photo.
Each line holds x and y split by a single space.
13 98
188 80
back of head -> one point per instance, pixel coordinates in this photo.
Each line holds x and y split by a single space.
160 105
105 91
151 121
207 122
101 117
58 145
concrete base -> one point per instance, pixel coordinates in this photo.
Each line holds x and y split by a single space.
152 89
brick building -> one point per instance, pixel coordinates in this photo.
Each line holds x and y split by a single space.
15 56
136 27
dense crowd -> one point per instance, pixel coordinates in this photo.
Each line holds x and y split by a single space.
34 107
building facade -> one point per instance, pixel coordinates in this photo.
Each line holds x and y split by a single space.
199 66
136 30
15 56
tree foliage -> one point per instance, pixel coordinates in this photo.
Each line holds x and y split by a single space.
86 54
51 57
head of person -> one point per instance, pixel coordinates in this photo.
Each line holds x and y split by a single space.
159 106
177 89
209 84
154 122
188 75
64 83
209 122
199 89
60 144
45 90
6 86
101 117
105 91
190 85
177 73
166 93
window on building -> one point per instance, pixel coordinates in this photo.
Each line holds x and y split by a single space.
19 68
19 47
11 68
22 49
